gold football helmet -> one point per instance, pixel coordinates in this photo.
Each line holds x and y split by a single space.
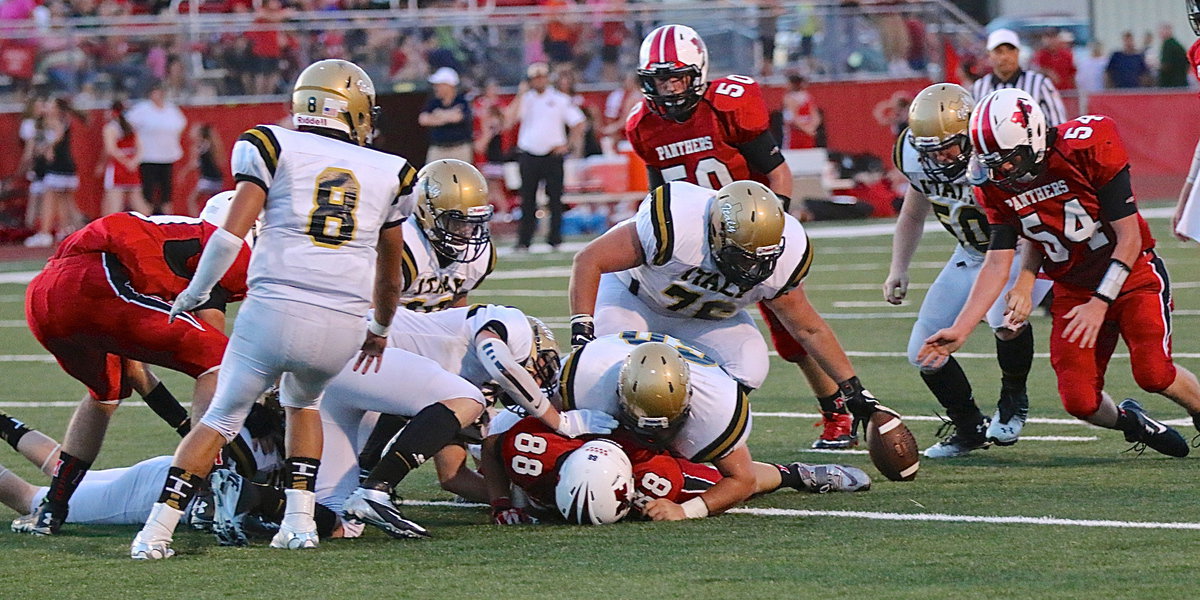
655 391
453 209
543 362
745 232
938 119
335 94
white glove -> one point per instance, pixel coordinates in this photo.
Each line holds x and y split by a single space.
186 301
895 288
574 423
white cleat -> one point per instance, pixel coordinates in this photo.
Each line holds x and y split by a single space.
1009 419
143 548
291 539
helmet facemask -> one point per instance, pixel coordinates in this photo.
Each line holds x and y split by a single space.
1194 15
1013 171
655 432
677 107
461 238
939 160
744 268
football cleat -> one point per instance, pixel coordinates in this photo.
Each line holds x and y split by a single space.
46 520
837 433
821 479
375 507
1009 419
1153 433
145 548
294 539
200 512
960 442
226 487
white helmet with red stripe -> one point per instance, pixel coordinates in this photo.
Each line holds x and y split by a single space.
673 51
1008 131
595 484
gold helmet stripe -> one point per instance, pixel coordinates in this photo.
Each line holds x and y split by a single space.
408 176
262 139
664 229
408 267
798 275
734 432
566 381
898 150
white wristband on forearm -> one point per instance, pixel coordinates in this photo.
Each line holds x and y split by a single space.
376 328
1112 282
695 508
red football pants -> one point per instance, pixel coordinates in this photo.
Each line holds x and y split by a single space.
1141 315
788 348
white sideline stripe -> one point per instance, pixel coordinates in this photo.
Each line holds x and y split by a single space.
936 419
945 518
12 298
41 358
889 516
862 304
12 322
831 451
1059 438
520 293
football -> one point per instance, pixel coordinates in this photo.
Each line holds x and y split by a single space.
892 447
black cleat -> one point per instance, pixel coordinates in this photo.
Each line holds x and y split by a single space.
48 519
1154 434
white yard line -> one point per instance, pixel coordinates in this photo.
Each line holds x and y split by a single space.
891 516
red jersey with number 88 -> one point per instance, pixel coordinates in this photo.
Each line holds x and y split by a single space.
533 452
703 150
1059 211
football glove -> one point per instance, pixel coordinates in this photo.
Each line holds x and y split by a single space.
574 423
861 403
583 330
504 513
187 300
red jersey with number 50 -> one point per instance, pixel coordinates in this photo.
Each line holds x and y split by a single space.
160 252
1060 212
533 452
703 150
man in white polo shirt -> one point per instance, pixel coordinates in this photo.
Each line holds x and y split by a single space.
158 123
545 115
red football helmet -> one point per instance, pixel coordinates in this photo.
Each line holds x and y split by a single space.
673 51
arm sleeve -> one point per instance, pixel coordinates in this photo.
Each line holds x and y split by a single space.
762 153
1116 197
219 254
1004 237
510 375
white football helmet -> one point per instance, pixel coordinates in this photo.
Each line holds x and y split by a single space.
1008 131
216 210
595 484
673 50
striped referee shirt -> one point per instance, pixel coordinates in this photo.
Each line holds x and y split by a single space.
1037 85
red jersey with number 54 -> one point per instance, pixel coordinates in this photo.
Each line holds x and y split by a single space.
704 149
1059 211
533 452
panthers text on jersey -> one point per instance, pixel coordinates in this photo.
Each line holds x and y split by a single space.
430 282
719 418
1060 211
680 277
158 253
327 201
704 149
532 453
953 203
448 336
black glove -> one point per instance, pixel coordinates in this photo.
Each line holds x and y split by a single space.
583 330
860 402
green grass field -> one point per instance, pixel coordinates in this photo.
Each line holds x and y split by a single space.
792 555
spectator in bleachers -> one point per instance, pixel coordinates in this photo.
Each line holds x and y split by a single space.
159 124
59 215
1127 66
1172 59
613 32
800 115
617 106
266 47
1055 59
488 110
119 165
447 115
559 42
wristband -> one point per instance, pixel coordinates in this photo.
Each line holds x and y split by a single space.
376 329
1112 282
695 508
585 319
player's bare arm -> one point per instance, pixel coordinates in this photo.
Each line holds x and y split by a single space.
736 485
386 295
1019 299
1084 321
803 322
499 487
910 226
780 180
617 250
997 264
